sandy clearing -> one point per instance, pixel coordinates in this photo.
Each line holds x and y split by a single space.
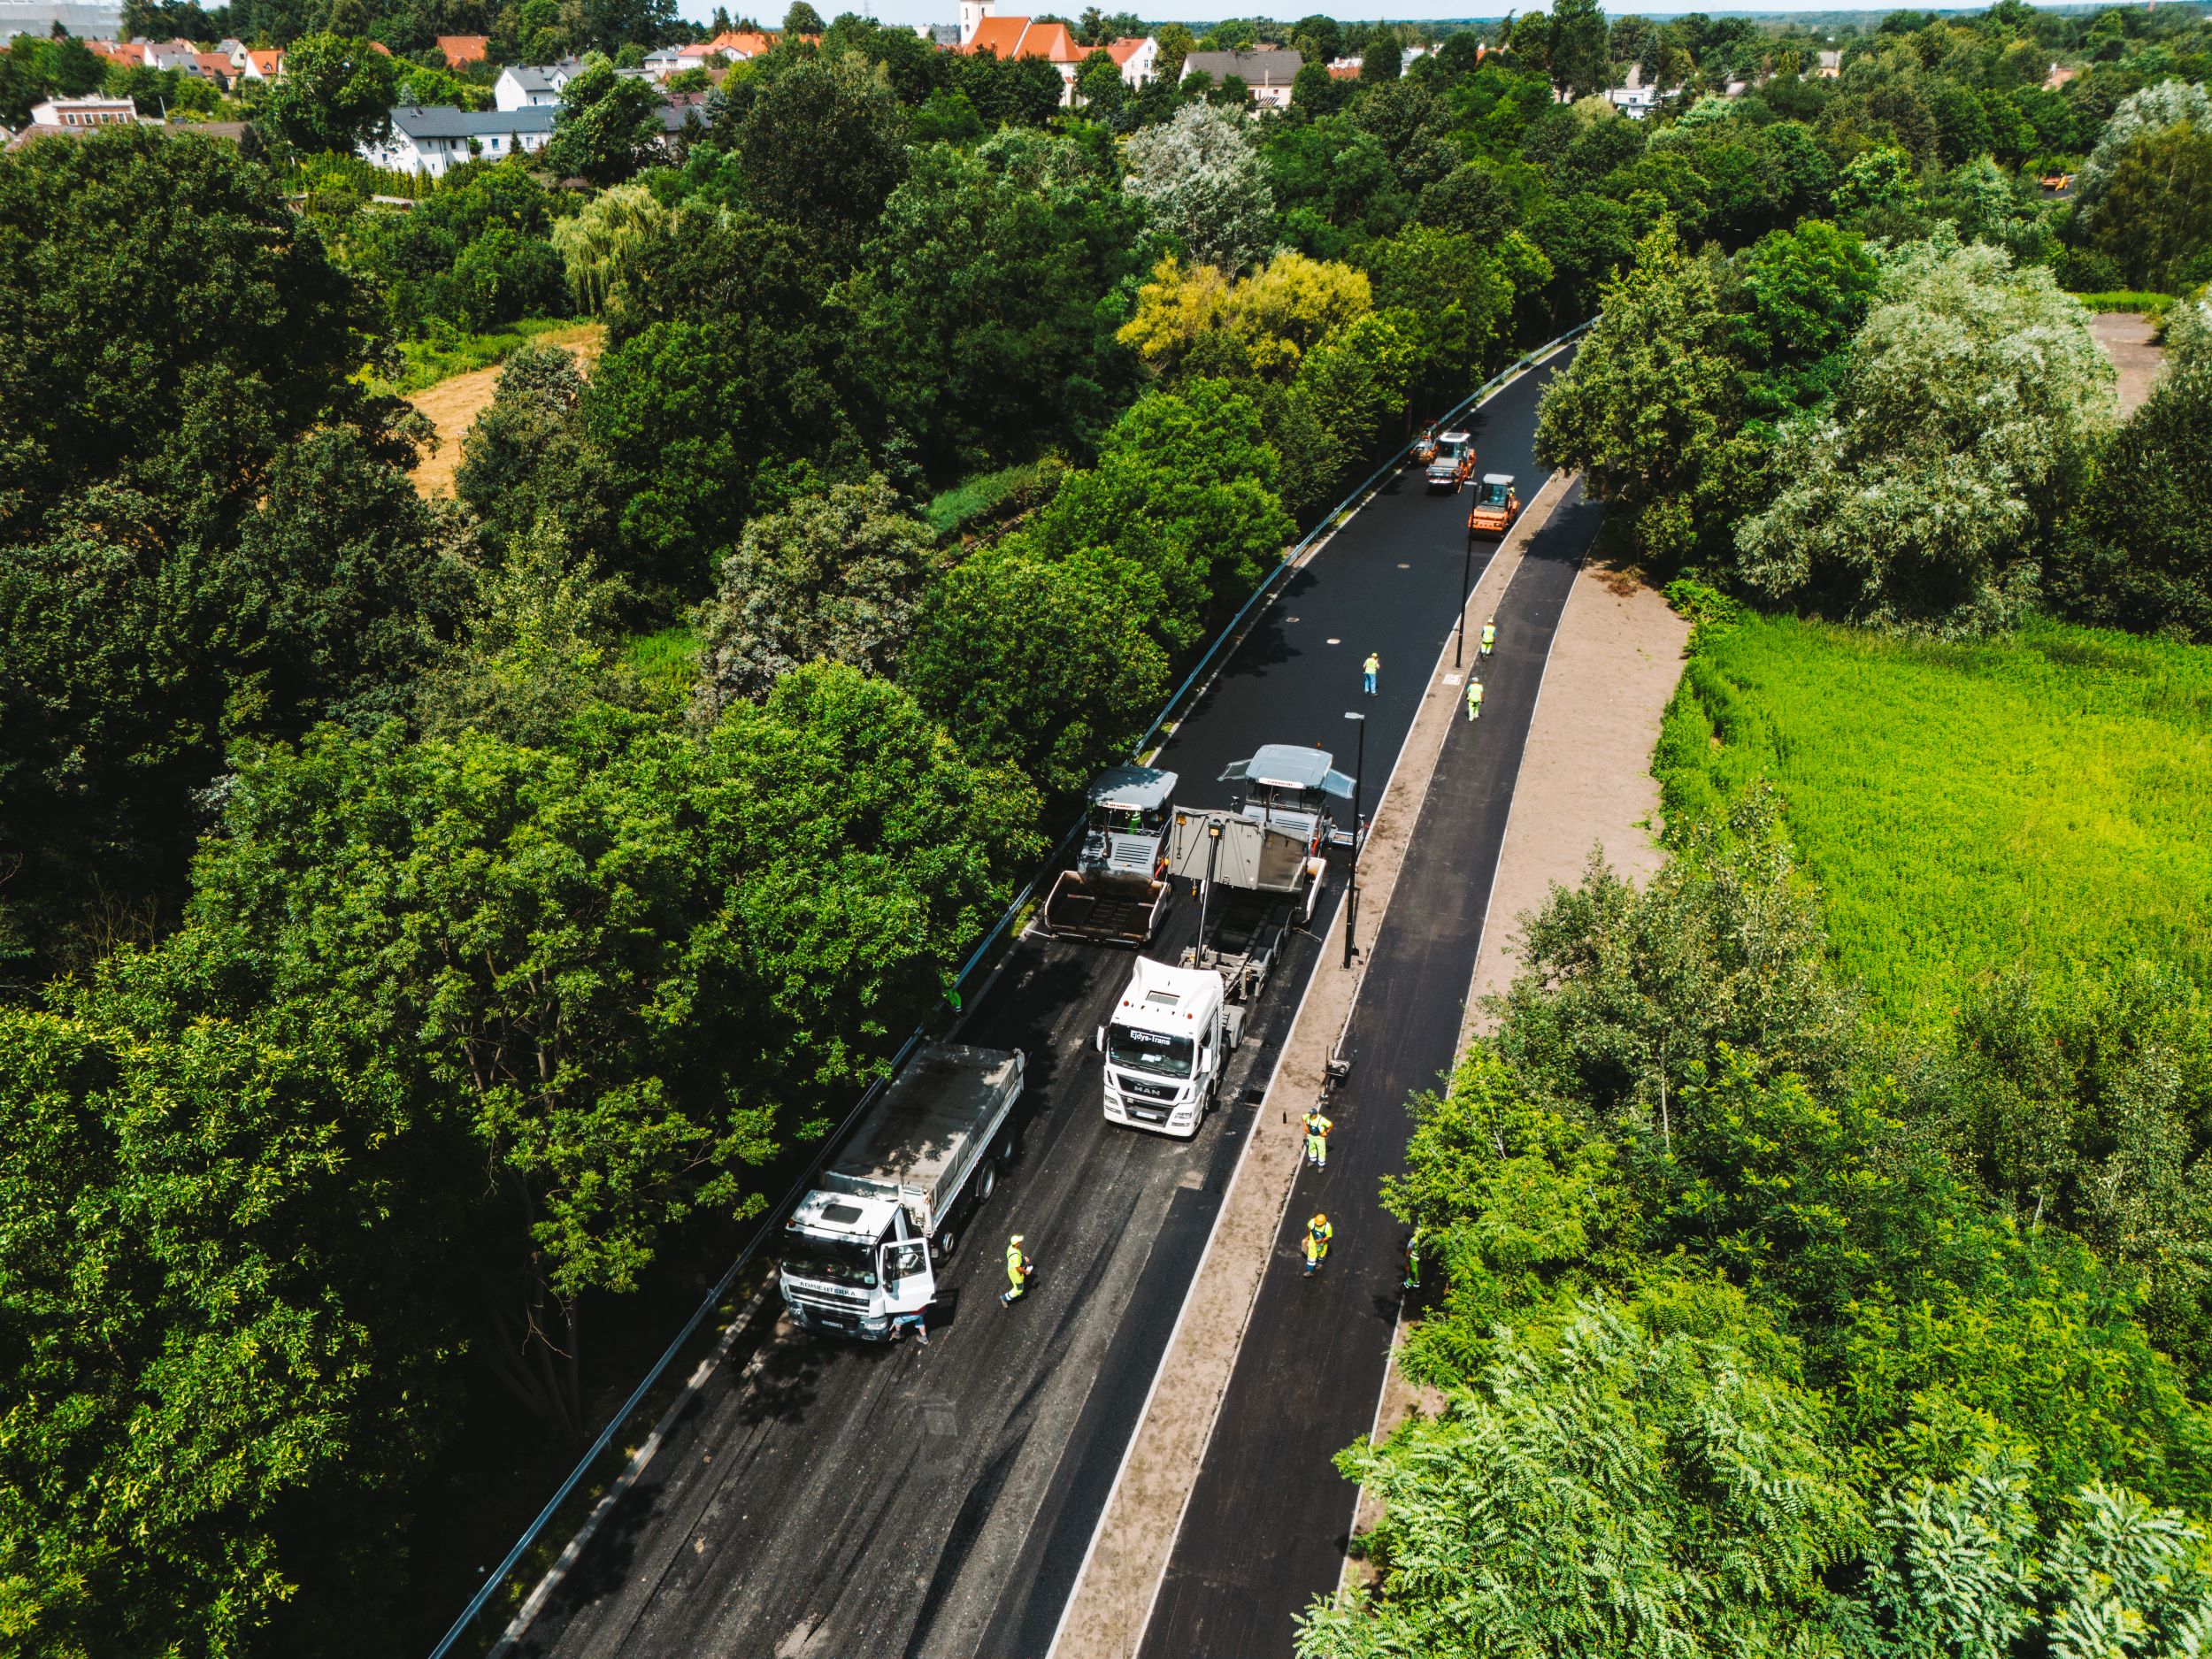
2128 340
452 405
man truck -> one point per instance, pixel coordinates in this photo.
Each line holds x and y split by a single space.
861 1250
1258 869
1114 895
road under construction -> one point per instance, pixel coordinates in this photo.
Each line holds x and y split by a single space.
823 1498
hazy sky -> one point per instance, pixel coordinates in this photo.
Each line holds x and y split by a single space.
1164 11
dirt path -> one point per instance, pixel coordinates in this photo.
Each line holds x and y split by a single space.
452 405
2128 339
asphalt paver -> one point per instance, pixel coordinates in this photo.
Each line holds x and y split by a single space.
1266 1526
823 1498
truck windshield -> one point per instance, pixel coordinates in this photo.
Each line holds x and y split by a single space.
1149 1051
843 1261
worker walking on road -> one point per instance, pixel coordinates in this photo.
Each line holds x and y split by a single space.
1370 668
1018 1268
1318 1232
1489 635
1474 698
1319 1129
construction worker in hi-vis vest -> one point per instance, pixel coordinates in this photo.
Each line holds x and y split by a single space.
1319 1129
1018 1268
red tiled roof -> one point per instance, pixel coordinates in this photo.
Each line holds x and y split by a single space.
464 48
268 63
1019 37
215 63
1122 51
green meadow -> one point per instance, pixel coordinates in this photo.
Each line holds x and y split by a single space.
2042 802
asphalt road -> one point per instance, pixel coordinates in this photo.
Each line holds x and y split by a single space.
1266 1525
833 1499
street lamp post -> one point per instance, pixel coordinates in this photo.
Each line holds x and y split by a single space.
1351 895
1466 574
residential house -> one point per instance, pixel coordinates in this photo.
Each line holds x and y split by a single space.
77 115
1829 66
462 49
1138 56
179 55
534 86
1345 68
1266 72
737 45
678 110
216 66
2058 77
263 65
428 140
1633 98
663 63
1010 38
130 54
233 49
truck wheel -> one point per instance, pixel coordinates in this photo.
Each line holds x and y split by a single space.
1007 1148
948 1241
986 1182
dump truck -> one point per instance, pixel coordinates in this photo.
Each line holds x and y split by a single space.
1115 896
1258 869
1496 506
1453 461
862 1247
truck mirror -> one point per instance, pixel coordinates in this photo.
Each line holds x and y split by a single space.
1101 1040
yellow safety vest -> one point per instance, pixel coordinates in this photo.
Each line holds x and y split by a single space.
1016 1264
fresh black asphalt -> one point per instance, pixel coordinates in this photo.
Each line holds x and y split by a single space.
1266 1525
819 1498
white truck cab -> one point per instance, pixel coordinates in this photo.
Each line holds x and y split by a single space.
852 1264
861 1248
1166 1047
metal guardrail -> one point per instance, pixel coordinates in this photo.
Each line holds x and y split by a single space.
1329 523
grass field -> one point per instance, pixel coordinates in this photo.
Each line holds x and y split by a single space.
2043 801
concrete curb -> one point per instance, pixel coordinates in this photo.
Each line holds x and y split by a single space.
1119 1579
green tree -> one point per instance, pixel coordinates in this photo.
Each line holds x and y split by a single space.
1921 498
2140 555
1576 53
607 127
335 92
1045 663
821 149
2153 210
1651 398
803 19
523 944
1185 485
1204 185
1634 1491
138 639
833 577
214 1344
528 455
983 316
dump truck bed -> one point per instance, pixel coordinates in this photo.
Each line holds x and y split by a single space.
924 1136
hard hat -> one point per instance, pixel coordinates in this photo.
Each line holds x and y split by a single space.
1318 1221
1016 1239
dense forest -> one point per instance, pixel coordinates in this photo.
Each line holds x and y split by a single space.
426 919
